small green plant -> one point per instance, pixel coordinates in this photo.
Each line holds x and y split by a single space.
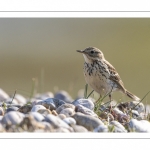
85 92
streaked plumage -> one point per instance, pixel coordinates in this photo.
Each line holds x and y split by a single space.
101 75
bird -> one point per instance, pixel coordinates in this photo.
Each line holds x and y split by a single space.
101 75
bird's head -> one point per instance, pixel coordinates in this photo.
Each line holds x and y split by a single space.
91 54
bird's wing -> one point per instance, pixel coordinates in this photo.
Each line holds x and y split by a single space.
114 75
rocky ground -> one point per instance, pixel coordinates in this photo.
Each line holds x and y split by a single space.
58 112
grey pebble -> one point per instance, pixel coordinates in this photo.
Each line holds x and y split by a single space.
36 108
78 128
44 112
55 121
48 103
63 95
12 118
20 99
118 127
37 116
61 116
67 112
101 128
1 117
140 107
51 103
139 126
69 121
11 109
1 111
85 110
48 126
87 121
25 109
84 102
63 106
61 129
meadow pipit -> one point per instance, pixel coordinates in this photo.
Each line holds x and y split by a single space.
101 75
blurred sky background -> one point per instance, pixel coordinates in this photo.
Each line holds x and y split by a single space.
45 49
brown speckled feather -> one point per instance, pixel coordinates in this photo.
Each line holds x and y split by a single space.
115 76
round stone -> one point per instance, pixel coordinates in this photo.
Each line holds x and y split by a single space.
25 109
37 116
67 112
56 121
87 121
63 95
84 102
63 106
12 118
85 110
69 120
37 108
1 111
78 128
11 109
44 112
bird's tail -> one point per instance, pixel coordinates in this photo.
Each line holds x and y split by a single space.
132 96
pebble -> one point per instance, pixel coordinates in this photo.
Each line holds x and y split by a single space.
101 128
1 117
48 103
119 115
3 95
62 130
2 128
20 99
78 128
135 114
25 109
37 108
67 112
140 107
87 121
56 122
61 116
47 125
63 95
35 101
69 121
85 110
12 118
51 103
54 113
139 126
12 109
37 116
44 112
84 102
1 111
30 124
118 127
63 106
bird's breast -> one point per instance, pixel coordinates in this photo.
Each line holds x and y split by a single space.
97 77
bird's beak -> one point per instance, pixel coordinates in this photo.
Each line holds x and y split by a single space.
80 51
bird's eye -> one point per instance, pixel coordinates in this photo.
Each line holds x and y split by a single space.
92 52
